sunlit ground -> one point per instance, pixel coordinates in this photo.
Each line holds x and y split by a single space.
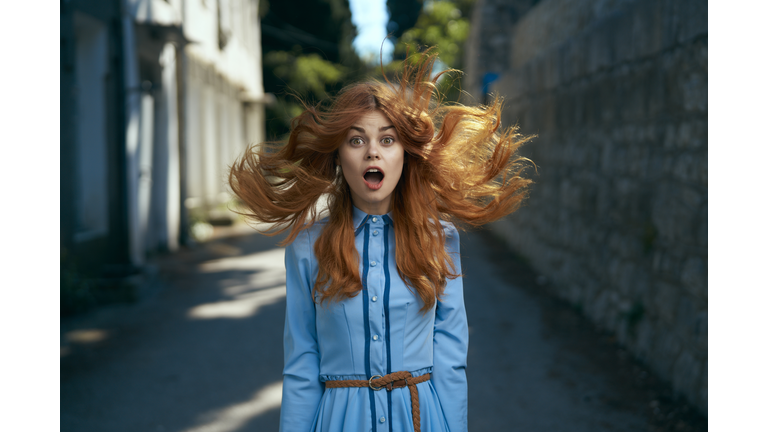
265 286
236 416
81 336
87 336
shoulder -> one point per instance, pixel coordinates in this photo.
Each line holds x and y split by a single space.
305 241
313 231
449 229
451 236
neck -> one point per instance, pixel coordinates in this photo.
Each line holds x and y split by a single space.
375 208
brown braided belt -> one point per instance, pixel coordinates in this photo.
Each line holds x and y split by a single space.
389 382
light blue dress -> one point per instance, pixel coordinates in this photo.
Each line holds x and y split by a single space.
379 331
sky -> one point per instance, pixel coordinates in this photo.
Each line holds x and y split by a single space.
370 17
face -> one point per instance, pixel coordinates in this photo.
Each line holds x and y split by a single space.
371 159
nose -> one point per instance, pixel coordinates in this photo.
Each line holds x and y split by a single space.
373 152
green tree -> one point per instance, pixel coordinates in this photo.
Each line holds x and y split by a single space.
403 15
307 54
442 25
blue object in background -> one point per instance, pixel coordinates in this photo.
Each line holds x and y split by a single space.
488 79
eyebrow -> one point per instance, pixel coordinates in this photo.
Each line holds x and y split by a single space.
381 129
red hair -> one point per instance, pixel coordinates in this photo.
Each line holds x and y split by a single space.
459 167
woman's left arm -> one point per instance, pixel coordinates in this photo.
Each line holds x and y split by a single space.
451 340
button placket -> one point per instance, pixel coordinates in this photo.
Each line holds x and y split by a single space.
375 289
376 284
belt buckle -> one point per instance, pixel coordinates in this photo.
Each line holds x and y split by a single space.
370 383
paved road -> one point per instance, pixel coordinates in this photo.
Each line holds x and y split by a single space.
202 352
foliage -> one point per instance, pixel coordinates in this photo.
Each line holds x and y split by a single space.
307 54
310 54
307 75
322 26
442 25
403 15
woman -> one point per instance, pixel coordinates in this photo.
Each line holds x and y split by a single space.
376 332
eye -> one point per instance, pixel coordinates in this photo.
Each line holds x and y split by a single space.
356 141
388 141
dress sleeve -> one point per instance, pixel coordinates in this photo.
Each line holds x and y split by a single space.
302 389
451 341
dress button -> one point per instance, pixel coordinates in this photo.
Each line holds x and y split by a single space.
375 232
375 337
373 263
375 219
382 419
374 298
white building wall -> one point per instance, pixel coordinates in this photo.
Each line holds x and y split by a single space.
170 210
225 94
144 155
209 145
152 140
222 94
194 153
133 102
236 126
222 141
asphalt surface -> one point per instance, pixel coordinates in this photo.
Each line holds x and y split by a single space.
202 351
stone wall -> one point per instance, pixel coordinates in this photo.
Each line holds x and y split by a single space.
616 91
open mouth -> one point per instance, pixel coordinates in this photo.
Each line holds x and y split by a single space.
373 178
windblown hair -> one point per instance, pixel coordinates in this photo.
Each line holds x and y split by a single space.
459 166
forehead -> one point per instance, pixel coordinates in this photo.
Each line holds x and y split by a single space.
373 120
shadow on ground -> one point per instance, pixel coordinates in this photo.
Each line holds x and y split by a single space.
550 368
204 353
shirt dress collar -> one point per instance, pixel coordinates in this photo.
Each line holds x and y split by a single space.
359 218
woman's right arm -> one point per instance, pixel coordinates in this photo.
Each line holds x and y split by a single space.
302 389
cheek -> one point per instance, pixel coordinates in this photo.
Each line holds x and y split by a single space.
399 160
343 159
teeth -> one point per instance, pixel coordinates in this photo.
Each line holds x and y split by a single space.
372 170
